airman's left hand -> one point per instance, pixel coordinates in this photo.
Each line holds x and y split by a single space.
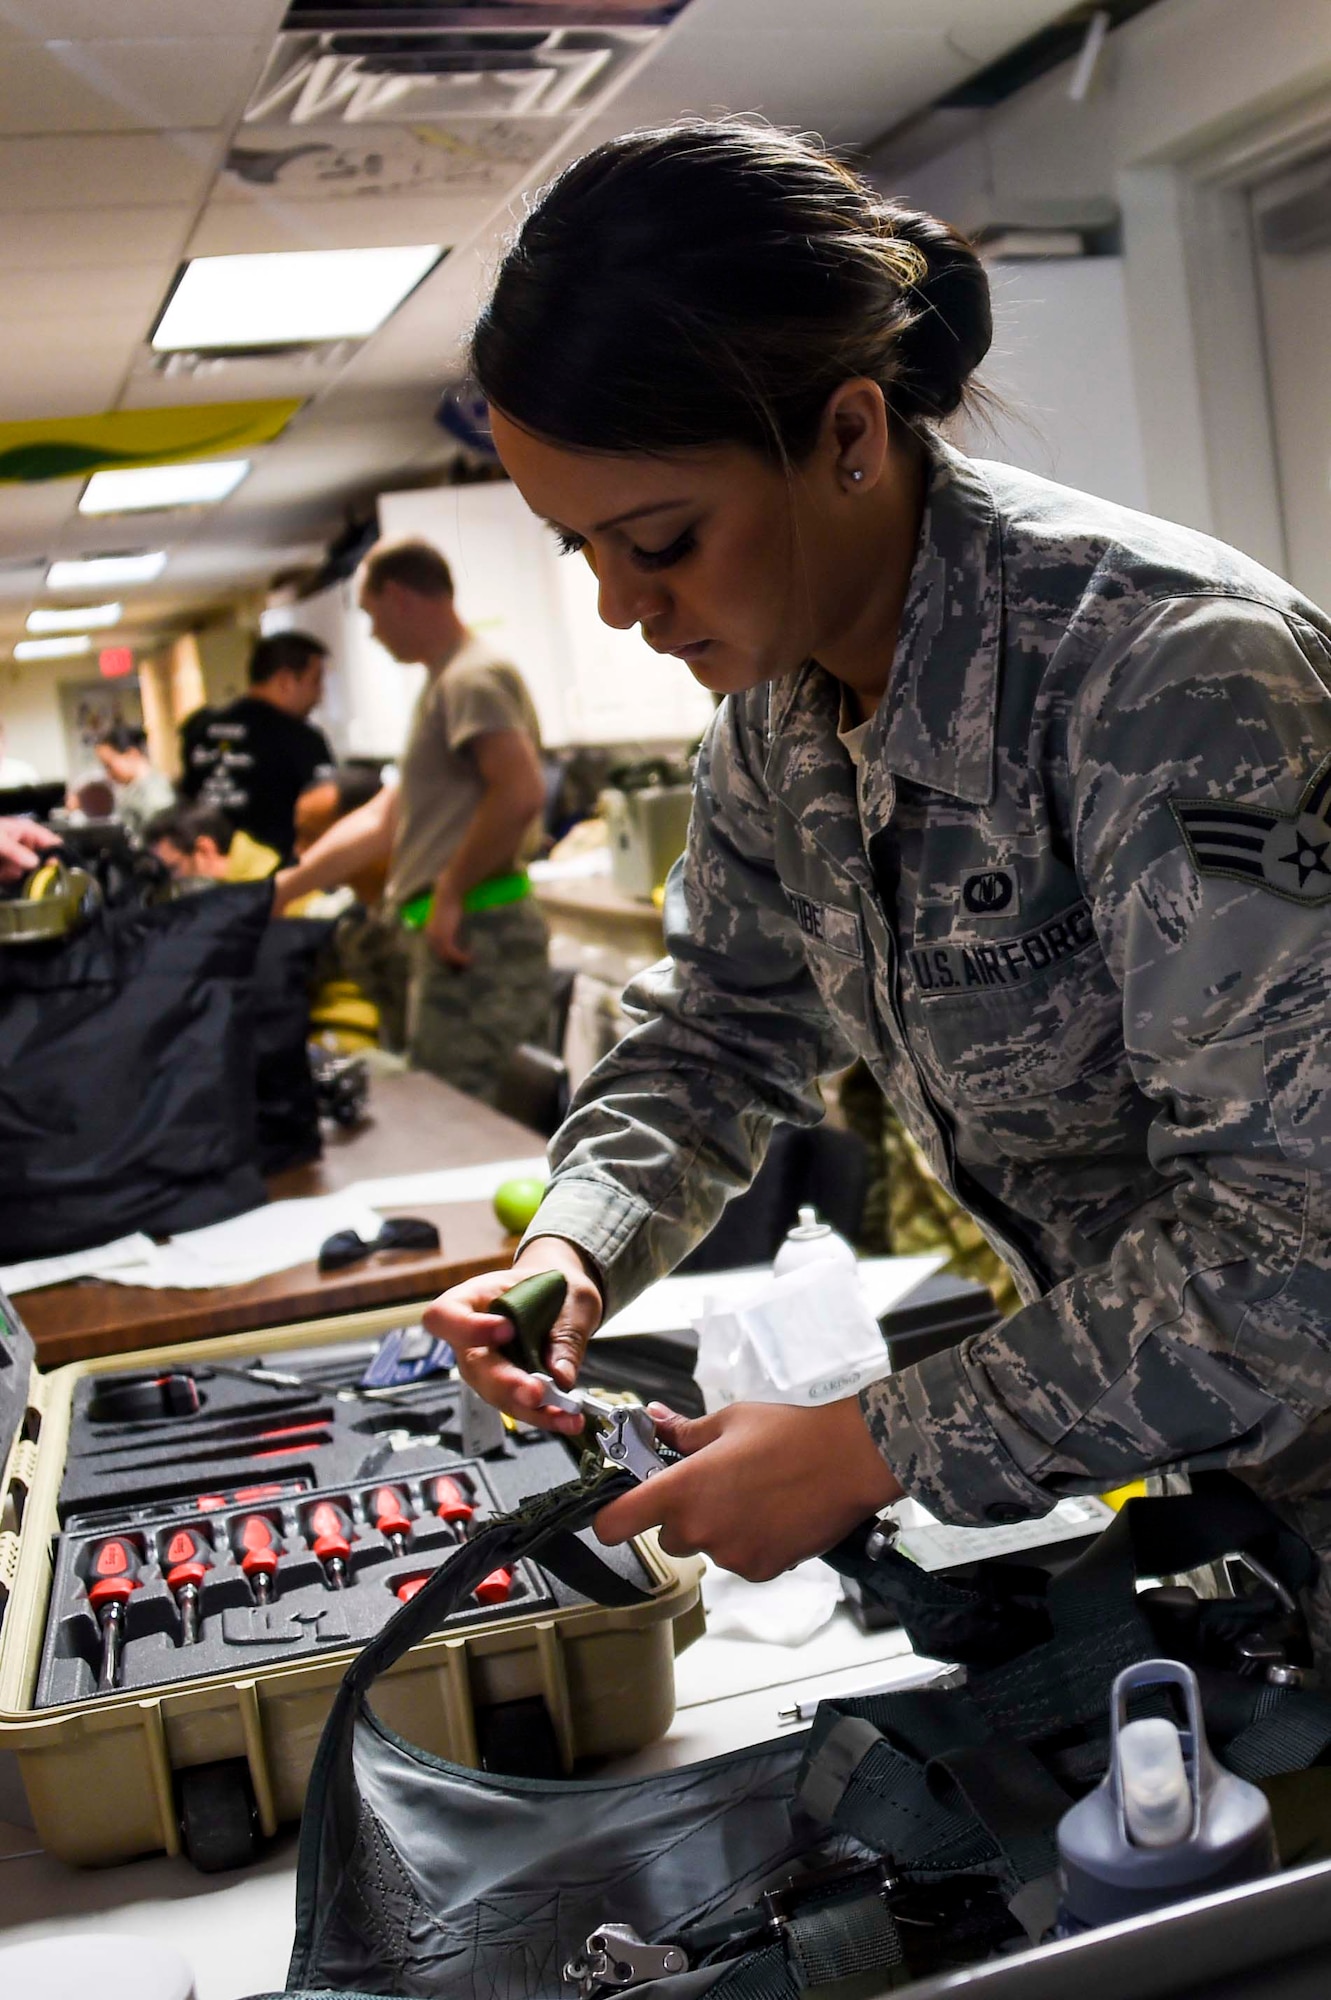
762 1486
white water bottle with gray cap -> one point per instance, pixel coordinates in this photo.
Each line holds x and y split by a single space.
1167 1823
811 1241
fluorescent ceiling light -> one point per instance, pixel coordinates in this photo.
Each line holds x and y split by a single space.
105 572
77 618
53 649
279 297
145 486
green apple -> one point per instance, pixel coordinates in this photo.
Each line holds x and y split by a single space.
516 1202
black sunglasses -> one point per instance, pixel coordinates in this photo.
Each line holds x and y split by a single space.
399 1232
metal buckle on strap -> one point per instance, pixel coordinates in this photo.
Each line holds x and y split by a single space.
615 1957
838 1879
623 1433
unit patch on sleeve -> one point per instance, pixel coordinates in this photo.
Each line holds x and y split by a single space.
1287 853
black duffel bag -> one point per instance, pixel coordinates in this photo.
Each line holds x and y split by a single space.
287 1132
902 1835
127 1088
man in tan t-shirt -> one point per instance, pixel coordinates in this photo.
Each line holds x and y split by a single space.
455 832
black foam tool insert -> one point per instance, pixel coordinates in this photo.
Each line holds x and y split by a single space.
278 1439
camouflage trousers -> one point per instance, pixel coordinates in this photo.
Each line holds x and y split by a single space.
463 1023
374 951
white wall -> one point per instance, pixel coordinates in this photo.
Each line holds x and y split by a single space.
589 684
368 697
1061 371
30 711
1177 85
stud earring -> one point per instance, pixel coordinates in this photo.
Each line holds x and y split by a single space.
858 474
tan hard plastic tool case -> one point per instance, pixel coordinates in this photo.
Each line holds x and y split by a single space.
137 1770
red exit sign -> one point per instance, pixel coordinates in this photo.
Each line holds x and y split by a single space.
115 662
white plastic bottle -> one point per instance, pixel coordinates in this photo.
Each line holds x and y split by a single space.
811 1242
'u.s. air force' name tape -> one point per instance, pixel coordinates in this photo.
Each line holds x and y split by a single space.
955 968
1283 852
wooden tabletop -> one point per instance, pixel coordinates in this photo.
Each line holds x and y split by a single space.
416 1124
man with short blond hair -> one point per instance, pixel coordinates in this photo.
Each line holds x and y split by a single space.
456 831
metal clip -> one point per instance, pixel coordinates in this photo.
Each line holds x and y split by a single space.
629 1441
615 1957
555 1398
623 1433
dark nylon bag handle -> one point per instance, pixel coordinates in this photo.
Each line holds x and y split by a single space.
498 1544
331 1812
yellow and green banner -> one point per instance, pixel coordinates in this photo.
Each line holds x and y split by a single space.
72 447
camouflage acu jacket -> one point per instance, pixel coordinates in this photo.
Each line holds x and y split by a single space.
1074 910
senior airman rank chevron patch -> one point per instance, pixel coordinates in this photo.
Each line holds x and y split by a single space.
1287 853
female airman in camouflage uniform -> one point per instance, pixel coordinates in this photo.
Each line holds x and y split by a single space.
1022 797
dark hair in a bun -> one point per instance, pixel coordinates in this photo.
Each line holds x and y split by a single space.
952 327
714 283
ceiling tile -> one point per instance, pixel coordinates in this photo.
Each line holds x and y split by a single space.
91 239
124 86
109 170
122 291
30 516
88 20
227 226
62 368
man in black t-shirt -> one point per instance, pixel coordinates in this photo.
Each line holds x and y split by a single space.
253 760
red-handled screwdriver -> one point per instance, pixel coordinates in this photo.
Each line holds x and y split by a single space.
406 1591
256 1548
331 1532
496 1588
114 1580
391 1517
186 1560
449 1499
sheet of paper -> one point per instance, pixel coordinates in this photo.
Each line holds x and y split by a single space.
249 1246
39 1271
445 1184
672 1304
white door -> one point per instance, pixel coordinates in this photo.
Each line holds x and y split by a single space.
1292 233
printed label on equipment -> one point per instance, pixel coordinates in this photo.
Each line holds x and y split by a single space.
934 1545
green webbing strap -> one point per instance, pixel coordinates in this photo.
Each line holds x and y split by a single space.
828 1770
842 1940
1097 1625
1290 1736
921 1780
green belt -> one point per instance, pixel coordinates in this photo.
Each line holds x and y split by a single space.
491 895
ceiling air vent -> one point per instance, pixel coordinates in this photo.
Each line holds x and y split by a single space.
431 100
369 76
296 357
